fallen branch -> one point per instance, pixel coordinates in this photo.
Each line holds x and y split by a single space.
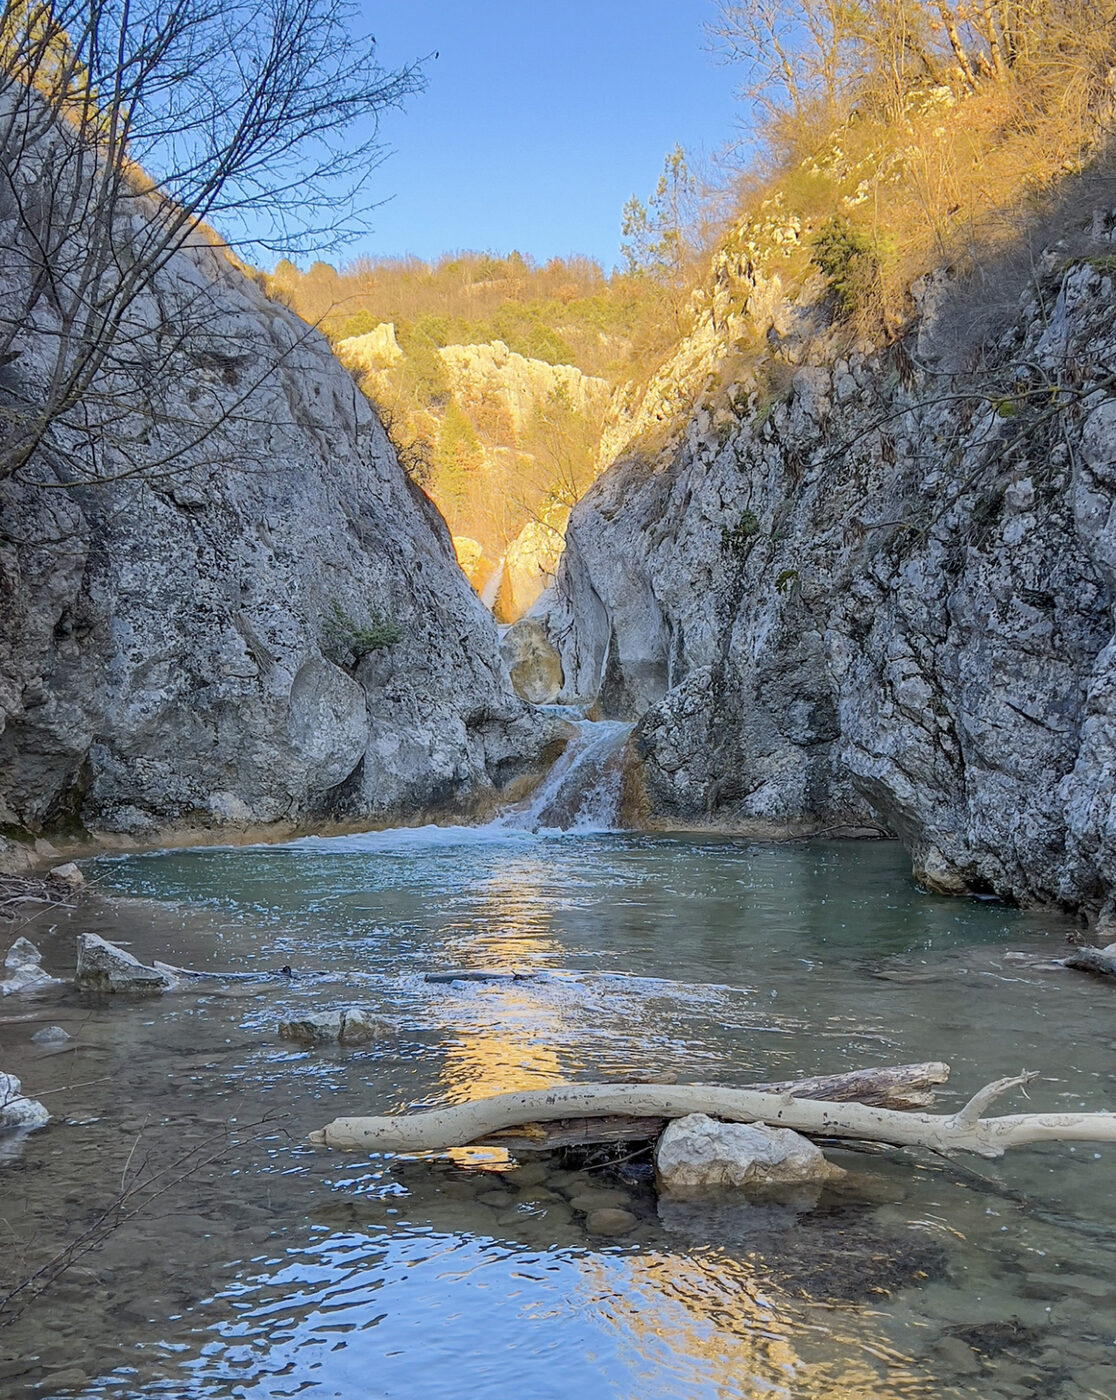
890 1086
964 1131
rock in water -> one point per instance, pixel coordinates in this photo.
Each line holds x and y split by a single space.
610 1222
700 1154
348 1025
105 967
23 967
68 874
16 1109
359 1026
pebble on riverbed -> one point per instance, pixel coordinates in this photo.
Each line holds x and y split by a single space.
610 1221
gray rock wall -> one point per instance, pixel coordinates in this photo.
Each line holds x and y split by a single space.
884 598
166 651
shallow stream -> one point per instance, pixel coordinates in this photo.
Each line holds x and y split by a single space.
269 1269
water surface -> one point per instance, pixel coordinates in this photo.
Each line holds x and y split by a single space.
273 1270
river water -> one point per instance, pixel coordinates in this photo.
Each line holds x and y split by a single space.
266 1268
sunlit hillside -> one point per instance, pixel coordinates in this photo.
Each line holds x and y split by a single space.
909 152
504 435
901 142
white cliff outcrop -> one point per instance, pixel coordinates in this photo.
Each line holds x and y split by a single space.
524 387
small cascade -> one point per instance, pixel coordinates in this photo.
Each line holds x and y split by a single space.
582 792
492 585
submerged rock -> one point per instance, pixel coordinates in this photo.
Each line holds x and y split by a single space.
51 1035
610 1221
827 1255
347 1025
105 967
16 1109
477 974
23 966
700 1154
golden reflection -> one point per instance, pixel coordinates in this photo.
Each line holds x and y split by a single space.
716 1314
511 1043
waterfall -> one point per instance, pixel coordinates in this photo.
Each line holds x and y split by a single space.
580 795
582 791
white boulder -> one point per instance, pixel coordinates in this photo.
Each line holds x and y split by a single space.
700 1154
16 1109
51 1035
23 967
68 874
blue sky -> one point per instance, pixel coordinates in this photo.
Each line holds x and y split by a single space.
539 119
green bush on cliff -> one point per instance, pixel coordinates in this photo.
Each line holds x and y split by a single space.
848 261
345 641
737 540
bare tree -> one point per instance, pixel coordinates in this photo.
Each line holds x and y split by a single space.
131 130
808 60
795 53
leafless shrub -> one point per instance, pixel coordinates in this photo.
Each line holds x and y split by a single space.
126 130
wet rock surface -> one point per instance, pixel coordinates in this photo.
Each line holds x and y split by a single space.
23 971
348 1025
51 1035
104 967
16 1109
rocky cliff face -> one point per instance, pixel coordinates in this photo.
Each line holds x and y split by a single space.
882 596
267 627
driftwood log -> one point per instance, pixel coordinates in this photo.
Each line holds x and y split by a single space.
1101 962
964 1131
889 1086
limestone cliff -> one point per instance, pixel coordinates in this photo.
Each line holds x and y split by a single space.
883 594
268 626
522 387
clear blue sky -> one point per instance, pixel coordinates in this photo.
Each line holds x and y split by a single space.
539 119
